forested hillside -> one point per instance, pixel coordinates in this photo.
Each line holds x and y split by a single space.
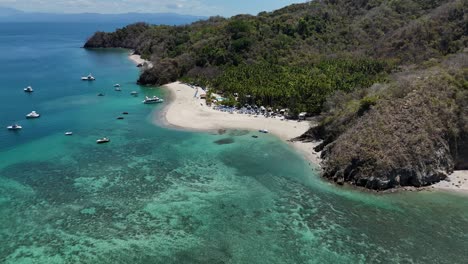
343 60
412 132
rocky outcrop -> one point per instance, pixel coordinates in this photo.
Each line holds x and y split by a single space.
461 155
164 72
407 139
408 132
127 37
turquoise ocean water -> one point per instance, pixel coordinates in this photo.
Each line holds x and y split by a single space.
155 195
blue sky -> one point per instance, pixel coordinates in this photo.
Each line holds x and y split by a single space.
193 7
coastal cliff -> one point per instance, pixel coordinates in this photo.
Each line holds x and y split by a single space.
413 136
387 79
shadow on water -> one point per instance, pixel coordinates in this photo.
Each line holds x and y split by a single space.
224 141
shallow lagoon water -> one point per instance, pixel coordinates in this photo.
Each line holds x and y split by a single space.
156 195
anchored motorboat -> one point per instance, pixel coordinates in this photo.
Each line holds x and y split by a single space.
134 93
152 100
116 85
118 89
68 133
103 140
28 89
14 127
100 94
88 78
33 114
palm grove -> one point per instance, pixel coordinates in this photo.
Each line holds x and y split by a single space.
340 59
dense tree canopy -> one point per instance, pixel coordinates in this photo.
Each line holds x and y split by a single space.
388 78
303 52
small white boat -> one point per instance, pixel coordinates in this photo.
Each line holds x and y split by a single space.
134 93
33 114
28 89
116 85
263 131
118 89
14 127
103 140
88 78
68 133
152 100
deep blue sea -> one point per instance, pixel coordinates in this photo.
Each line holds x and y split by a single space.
156 195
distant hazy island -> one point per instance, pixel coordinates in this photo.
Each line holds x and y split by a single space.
386 80
14 15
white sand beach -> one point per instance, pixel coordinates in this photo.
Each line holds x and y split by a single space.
138 60
457 181
187 111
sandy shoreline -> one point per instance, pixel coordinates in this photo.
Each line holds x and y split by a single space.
457 181
138 60
187 111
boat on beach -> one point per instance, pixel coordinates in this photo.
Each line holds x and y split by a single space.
14 127
103 140
90 77
28 89
265 131
152 100
33 114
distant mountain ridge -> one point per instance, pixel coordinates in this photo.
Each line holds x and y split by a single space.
6 11
14 15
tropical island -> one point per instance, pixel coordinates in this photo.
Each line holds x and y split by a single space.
386 81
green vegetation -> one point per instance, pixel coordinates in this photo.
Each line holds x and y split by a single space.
302 89
386 77
297 56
